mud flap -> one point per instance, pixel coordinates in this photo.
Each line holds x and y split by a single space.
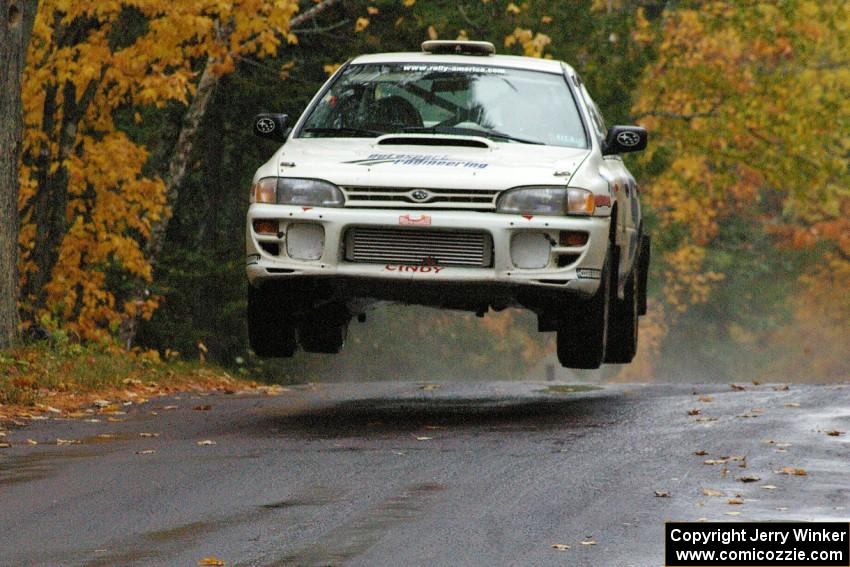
643 262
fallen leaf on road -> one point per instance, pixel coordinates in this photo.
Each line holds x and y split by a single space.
429 387
792 471
694 411
560 546
206 442
145 434
736 458
735 501
31 442
749 478
714 462
712 492
835 433
662 494
792 405
705 418
67 441
737 387
756 383
202 407
768 487
211 561
701 453
146 452
101 403
589 542
706 399
781 387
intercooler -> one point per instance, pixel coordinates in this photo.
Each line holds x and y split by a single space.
414 246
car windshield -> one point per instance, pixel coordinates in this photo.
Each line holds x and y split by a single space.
504 105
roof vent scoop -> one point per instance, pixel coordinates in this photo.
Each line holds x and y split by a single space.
455 47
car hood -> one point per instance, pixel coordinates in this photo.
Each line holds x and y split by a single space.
371 162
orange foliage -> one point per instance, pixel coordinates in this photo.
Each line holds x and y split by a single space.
111 200
748 107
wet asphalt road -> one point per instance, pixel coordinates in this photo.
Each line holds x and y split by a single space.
391 474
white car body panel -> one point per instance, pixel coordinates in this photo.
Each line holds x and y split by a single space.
496 167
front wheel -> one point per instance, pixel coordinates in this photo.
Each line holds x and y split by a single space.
269 334
582 332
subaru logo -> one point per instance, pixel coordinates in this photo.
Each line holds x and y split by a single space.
420 195
265 125
628 139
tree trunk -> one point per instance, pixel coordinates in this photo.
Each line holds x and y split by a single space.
177 170
16 19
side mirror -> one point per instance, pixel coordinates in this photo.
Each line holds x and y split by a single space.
271 126
624 139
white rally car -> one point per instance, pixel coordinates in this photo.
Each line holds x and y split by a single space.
452 178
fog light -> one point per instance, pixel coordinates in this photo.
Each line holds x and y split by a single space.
530 250
572 238
265 226
305 241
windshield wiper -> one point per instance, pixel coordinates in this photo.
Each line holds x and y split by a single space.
470 132
343 130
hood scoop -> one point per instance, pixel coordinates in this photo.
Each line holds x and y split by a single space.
433 140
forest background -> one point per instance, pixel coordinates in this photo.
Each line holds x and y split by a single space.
137 156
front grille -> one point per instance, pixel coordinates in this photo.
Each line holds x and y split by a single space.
393 197
419 247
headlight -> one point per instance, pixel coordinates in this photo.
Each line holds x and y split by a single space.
293 191
547 201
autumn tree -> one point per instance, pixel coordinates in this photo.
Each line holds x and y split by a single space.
16 18
91 211
748 104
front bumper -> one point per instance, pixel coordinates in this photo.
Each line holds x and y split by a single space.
578 273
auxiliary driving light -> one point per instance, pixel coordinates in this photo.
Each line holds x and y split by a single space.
264 226
572 238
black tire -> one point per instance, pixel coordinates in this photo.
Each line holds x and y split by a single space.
623 324
583 330
323 338
269 334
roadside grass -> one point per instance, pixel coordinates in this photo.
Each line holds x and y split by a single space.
64 378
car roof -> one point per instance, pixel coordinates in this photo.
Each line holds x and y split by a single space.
511 61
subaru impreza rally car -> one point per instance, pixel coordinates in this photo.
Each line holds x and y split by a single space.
453 178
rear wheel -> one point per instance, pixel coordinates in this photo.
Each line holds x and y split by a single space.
269 334
582 332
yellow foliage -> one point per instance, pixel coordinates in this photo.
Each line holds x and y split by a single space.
361 24
748 105
331 68
111 202
533 44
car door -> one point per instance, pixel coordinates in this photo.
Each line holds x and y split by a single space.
623 188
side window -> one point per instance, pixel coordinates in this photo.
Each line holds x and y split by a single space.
597 122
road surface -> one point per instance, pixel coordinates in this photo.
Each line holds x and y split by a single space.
409 474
